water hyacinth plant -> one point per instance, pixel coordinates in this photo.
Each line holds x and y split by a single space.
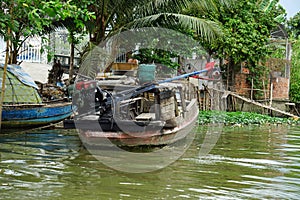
241 118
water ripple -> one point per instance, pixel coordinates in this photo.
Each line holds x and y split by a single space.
246 163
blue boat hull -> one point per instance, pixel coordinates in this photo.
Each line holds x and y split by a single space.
14 116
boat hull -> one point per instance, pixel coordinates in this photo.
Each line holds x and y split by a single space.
14 116
160 137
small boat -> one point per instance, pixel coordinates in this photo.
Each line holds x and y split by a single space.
34 115
23 105
154 114
159 115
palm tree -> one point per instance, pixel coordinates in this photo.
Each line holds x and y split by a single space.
115 16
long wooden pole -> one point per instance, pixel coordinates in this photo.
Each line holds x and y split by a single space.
5 70
4 75
71 69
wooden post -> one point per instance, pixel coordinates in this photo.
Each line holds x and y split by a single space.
3 81
182 99
233 103
71 69
288 49
219 96
227 78
251 95
271 93
157 107
198 96
264 88
4 75
204 100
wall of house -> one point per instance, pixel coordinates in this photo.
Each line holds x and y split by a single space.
241 86
280 94
280 88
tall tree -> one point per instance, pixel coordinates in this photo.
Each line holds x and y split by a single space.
114 16
294 26
246 27
295 73
20 19
34 17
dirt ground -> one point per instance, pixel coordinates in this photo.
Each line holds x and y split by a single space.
38 71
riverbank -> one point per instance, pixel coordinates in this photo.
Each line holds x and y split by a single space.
241 118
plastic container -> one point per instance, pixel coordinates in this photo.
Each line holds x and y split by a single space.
146 73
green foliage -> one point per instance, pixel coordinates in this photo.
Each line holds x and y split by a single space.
113 16
246 33
295 73
294 26
27 18
161 46
158 56
293 29
240 118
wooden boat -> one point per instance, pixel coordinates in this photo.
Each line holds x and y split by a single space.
154 114
33 115
24 107
159 116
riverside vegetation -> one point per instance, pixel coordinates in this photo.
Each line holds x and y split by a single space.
242 118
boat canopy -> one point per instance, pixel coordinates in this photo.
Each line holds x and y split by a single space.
19 86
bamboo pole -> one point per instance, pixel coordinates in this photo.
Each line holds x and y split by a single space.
4 76
264 88
271 94
251 95
5 70
71 69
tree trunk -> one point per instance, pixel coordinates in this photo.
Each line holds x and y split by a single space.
15 49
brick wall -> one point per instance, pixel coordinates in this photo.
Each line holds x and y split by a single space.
241 86
280 88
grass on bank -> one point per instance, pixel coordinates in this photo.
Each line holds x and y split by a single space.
241 118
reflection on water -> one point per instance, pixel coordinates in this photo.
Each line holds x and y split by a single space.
246 163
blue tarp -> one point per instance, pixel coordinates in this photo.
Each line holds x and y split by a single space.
23 76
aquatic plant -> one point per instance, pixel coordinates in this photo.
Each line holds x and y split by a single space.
241 118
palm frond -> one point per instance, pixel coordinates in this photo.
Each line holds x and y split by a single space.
209 30
212 5
280 18
156 6
227 3
262 4
266 5
97 58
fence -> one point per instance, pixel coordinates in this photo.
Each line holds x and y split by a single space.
29 52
